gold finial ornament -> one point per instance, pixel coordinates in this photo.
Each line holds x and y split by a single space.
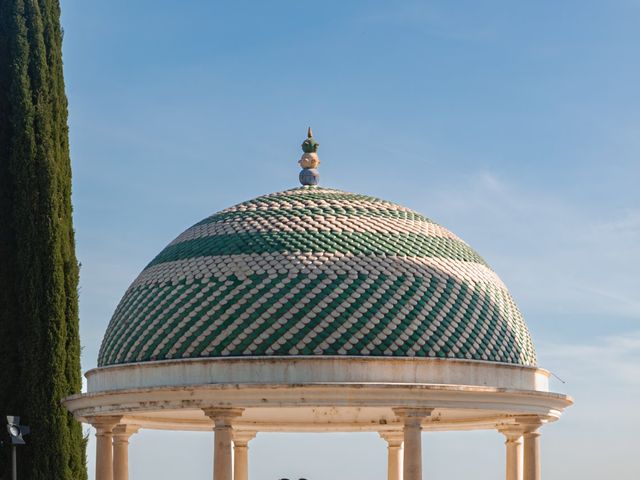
309 133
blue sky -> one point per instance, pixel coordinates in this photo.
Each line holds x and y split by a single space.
514 124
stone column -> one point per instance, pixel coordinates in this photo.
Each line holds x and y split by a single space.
395 451
412 427
121 434
513 444
104 447
531 446
223 436
241 441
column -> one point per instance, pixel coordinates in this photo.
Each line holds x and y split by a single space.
104 448
395 440
121 434
223 436
513 444
241 454
412 427
531 446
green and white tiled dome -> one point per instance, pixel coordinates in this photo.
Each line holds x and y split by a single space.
315 271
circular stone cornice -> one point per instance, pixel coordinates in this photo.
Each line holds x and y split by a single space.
288 370
324 406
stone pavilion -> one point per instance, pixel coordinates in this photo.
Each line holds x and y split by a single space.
318 310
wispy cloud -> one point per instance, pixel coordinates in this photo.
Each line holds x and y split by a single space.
553 253
628 223
613 360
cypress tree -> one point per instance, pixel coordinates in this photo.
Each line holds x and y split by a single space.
39 337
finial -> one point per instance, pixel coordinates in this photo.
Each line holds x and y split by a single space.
310 145
309 161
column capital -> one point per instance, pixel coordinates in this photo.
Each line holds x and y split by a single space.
512 432
413 416
123 431
530 423
222 417
243 437
104 424
393 437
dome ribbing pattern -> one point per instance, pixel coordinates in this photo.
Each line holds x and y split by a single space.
316 271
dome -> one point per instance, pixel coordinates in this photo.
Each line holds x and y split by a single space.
317 272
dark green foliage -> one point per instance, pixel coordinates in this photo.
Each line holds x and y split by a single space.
39 338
